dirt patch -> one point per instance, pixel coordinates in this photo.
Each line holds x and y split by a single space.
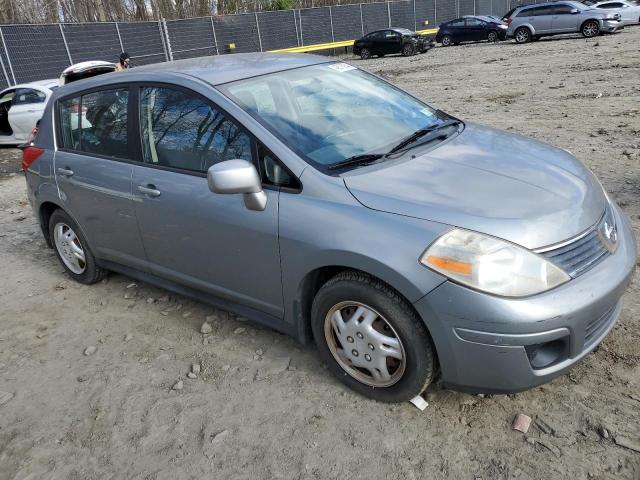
263 406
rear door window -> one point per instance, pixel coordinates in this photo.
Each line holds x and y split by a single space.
26 96
180 130
96 123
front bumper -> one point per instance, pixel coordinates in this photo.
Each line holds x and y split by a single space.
492 344
612 25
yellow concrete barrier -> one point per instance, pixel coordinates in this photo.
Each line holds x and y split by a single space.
342 44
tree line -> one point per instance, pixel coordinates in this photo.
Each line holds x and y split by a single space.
53 11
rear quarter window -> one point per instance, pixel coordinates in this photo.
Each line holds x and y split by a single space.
96 123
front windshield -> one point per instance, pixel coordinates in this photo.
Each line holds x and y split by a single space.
331 112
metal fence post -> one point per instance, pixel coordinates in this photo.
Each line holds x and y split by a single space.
258 28
215 40
435 12
301 33
66 47
474 7
295 24
166 41
119 37
415 19
361 20
6 52
389 13
333 38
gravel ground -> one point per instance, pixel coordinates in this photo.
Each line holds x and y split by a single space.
263 406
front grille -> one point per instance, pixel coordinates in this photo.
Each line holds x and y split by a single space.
595 327
578 255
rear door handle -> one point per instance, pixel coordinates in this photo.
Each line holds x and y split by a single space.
149 190
65 172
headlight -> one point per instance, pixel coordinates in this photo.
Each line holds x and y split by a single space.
491 265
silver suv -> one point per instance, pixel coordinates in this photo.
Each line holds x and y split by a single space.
531 22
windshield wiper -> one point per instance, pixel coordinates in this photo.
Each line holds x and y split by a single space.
417 135
358 160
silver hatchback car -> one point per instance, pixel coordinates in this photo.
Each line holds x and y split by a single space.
328 204
531 22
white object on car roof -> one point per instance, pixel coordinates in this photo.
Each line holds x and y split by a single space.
82 70
21 106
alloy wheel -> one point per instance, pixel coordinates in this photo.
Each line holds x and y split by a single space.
446 41
522 35
590 29
492 37
364 344
365 54
69 248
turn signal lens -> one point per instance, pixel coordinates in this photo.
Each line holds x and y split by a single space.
492 265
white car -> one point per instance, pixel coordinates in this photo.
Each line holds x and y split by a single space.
629 10
21 106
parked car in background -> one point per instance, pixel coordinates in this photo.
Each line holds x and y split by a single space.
82 70
543 19
390 41
21 107
324 202
628 10
471 29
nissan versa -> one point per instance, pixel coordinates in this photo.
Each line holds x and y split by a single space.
328 204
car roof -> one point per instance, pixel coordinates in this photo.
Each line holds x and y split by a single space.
220 69
49 83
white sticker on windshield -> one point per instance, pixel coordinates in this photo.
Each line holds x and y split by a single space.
427 112
342 67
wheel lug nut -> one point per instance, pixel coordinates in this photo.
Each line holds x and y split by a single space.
354 353
350 339
360 335
371 347
368 357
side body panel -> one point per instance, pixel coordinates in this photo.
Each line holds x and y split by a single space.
316 232
210 241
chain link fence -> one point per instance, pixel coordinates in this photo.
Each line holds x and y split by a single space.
38 52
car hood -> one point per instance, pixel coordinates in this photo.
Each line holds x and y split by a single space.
490 181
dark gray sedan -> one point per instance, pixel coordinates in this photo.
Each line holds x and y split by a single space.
328 204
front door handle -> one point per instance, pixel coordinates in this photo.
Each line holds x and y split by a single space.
65 172
149 190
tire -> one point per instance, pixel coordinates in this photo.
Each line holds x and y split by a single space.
365 54
590 29
492 37
68 241
408 49
522 35
446 41
405 336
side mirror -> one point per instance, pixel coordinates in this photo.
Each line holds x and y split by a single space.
238 176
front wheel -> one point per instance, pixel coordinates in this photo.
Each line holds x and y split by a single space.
522 35
446 41
492 37
365 54
590 28
371 338
408 49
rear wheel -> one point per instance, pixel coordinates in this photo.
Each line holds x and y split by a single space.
371 338
522 35
446 41
73 250
408 49
492 37
590 28
365 54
